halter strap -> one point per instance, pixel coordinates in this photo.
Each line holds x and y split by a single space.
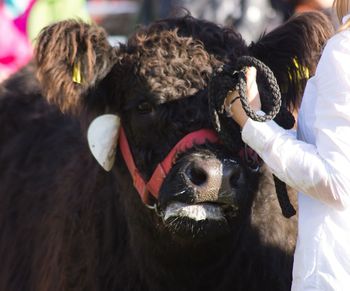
163 168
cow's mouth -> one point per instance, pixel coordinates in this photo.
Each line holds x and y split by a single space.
196 212
200 221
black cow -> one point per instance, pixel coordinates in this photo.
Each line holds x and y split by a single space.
205 221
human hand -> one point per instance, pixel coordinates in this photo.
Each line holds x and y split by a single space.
234 107
252 89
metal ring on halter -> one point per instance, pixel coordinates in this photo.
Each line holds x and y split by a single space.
249 160
155 208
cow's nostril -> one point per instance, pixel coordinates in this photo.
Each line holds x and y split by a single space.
197 175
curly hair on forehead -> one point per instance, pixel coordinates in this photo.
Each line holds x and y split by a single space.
172 58
170 65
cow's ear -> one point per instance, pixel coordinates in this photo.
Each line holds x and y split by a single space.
72 57
292 52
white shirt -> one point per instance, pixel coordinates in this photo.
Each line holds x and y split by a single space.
318 166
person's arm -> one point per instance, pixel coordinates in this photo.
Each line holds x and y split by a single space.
321 171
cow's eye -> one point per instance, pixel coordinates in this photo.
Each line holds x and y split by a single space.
145 107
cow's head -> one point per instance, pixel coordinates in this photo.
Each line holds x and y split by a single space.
156 84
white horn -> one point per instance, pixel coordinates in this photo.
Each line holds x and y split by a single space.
102 137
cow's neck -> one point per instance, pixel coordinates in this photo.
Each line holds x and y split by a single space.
199 267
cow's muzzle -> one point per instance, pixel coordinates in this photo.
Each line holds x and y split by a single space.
201 187
213 180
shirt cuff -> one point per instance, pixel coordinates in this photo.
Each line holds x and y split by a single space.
259 134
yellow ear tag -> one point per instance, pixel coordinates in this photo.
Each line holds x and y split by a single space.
77 73
302 69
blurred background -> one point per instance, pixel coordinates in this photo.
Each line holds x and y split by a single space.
21 20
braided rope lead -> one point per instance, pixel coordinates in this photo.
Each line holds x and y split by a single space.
273 88
268 78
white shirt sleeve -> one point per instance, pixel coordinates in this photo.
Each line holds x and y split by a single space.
321 170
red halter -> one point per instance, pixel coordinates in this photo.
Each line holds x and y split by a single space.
153 185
